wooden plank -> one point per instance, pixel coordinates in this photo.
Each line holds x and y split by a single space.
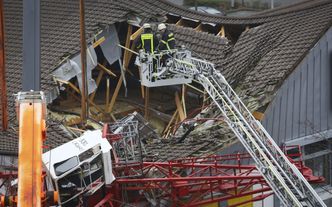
146 105
127 45
73 121
98 42
102 67
131 54
136 34
100 75
193 87
179 107
179 23
222 31
107 93
183 97
79 92
142 91
140 77
75 129
175 126
115 95
167 128
199 27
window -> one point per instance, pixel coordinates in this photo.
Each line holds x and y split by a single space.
64 166
82 179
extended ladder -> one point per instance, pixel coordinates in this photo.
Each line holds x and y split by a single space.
283 177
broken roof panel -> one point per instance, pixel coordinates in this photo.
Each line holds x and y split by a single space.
264 56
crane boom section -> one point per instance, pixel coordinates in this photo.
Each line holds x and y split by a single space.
31 111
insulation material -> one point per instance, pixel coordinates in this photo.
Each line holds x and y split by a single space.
110 48
92 86
72 68
91 59
67 71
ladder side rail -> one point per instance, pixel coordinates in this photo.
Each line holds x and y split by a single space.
192 67
199 63
259 140
271 178
258 128
298 179
309 191
243 120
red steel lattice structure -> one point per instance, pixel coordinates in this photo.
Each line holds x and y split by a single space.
187 182
197 181
192 181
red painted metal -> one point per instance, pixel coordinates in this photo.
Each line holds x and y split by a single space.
197 181
293 152
106 201
188 182
8 175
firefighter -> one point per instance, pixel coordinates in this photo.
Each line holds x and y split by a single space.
147 40
167 41
149 43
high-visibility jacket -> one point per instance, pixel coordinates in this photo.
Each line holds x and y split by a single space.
148 42
167 41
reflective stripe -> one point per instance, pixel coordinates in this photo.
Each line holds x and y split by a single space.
166 42
147 37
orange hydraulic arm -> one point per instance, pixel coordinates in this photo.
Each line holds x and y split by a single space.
31 113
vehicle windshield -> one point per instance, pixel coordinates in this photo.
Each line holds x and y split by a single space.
64 166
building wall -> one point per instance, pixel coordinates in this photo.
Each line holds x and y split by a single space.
302 107
301 114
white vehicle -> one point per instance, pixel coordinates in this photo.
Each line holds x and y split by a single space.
81 166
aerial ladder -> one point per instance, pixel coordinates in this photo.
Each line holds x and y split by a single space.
179 67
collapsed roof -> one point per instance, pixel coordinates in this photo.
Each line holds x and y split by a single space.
257 63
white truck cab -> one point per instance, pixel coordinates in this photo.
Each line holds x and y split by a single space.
81 166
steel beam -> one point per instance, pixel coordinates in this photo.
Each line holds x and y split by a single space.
31 45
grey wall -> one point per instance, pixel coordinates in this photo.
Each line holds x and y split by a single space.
302 106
